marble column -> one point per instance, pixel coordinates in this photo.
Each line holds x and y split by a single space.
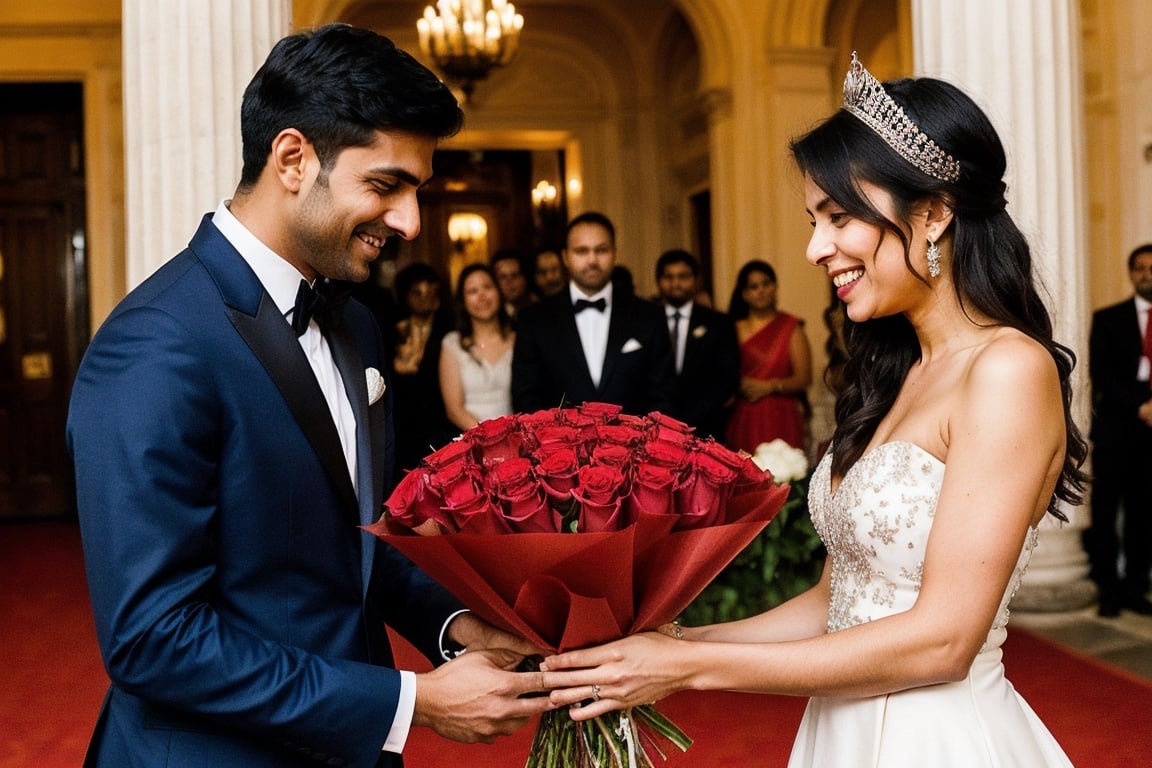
1020 62
186 64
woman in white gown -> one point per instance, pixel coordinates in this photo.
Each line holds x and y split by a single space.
954 438
476 360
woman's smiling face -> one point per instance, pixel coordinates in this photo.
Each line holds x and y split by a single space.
865 261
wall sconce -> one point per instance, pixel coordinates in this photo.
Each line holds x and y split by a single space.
544 195
464 229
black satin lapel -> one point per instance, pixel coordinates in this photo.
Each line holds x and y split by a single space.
568 335
617 336
270 338
351 366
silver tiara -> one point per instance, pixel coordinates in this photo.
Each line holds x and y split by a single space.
866 98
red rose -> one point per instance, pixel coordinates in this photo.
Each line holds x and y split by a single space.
668 433
496 438
607 454
455 451
585 425
639 423
557 434
409 503
599 489
652 488
666 454
617 434
549 417
473 511
701 498
557 471
525 507
600 412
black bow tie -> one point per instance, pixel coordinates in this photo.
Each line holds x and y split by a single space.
324 304
583 304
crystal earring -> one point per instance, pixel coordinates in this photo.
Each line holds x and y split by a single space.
933 259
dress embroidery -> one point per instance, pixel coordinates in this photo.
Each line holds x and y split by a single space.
875 528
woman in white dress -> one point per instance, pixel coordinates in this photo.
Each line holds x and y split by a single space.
476 360
954 439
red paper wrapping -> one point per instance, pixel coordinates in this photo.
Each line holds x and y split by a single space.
569 590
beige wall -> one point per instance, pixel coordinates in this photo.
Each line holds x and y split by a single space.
58 40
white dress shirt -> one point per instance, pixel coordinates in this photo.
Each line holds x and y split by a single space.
593 328
281 280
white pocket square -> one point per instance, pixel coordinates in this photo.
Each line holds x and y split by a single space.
630 346
376 385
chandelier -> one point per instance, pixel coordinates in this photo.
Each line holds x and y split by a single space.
468 38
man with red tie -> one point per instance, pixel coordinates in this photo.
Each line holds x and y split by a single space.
1119 364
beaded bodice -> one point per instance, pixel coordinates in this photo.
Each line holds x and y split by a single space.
875 528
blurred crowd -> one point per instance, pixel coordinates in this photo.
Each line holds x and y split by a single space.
562 326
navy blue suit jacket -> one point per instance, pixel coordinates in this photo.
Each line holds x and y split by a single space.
239 608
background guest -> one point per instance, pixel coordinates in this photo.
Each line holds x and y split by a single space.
508 268
1119 348
775 365
476 359
704 345
592 342
421 423
548 273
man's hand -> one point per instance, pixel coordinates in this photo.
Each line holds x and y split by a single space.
476 634
475 697
1145 413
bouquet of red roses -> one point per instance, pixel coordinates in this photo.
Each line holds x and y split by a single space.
658 511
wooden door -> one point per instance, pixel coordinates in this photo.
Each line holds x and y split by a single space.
43 306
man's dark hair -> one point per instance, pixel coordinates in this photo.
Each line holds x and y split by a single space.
1138 251
677 256
592 217
507 254
338 85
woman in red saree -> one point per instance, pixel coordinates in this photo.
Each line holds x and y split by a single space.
775 365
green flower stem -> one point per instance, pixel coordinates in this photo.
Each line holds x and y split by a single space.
617 740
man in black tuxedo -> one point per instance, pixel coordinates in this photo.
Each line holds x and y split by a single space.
591 343
704 346
1119 349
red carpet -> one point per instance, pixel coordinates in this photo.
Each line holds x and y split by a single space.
53 685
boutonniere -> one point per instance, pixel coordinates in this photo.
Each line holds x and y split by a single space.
376 385
699 331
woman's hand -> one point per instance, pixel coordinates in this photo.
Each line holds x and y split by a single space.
641 669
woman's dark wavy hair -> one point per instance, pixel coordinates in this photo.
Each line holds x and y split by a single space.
738 308
992 263
338 85
464 320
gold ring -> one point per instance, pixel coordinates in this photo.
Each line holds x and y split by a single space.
595 693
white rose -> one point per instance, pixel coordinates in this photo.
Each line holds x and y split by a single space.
782 460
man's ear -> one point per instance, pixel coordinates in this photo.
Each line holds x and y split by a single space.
291 159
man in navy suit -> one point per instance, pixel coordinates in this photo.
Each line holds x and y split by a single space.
1121 433
704 346
592 343
231 433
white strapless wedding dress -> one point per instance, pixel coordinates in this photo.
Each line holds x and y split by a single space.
876 528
